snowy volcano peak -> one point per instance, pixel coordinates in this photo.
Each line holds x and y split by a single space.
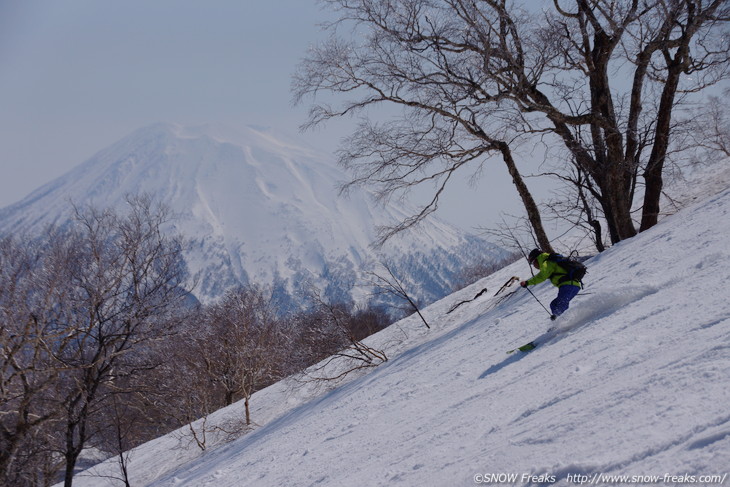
180 165
258 206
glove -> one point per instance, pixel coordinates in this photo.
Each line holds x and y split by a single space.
523 283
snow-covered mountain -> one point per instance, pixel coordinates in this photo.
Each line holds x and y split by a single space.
258 206
632 389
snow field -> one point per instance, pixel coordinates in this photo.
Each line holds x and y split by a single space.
635 382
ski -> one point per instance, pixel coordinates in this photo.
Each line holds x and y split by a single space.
551 332
524 348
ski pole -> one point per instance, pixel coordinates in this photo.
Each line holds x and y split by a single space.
543 306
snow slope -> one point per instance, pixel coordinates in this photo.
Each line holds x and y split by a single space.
635 383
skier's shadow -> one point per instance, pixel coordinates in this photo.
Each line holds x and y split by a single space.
504 363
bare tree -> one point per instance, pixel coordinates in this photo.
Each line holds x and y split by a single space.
387 282
421 57
628 130
480 78
32 280
188 379
711 132
74 304
244 344
331 338
103 283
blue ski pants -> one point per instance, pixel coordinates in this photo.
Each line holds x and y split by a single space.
565 293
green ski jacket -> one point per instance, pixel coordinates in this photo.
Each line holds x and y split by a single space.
550 270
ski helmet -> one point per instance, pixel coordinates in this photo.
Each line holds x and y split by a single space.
534 254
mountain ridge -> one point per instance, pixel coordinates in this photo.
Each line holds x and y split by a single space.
259 207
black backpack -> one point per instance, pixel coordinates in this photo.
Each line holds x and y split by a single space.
574 270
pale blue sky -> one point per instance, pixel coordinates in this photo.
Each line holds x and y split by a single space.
78 75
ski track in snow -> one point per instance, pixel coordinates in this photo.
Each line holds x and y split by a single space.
634 382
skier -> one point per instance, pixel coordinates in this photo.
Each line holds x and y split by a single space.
558 275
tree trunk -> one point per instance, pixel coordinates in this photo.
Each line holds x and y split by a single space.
72 450
616 203
533 213
655 168
608 143
248 410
